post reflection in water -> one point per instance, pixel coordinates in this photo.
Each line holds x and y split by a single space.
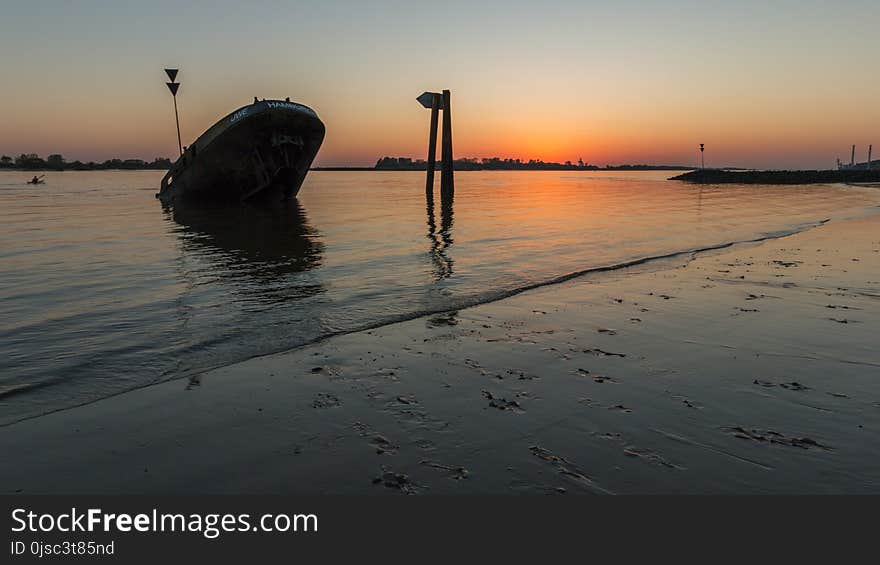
440 241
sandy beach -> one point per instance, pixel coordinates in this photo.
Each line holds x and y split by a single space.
752 369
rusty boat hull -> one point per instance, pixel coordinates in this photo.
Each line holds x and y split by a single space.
263 150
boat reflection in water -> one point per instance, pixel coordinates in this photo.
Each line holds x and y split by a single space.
249 281
262 251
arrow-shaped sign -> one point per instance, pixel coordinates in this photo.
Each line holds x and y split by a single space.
172 74
173 86
427 99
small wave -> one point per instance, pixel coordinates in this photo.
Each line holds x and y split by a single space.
7 391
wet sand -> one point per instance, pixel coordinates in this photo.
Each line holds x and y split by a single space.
753 369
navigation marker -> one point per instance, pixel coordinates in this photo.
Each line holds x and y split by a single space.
173 86
427 99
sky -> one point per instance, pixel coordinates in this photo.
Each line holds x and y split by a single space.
770 84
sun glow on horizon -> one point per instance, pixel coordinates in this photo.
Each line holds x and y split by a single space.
787 85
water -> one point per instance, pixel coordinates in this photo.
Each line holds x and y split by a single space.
102 290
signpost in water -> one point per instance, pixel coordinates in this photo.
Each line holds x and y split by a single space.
431 100
436 102
173 86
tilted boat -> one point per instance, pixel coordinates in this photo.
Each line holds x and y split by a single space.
262 150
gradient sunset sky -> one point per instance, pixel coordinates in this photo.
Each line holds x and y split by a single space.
763 83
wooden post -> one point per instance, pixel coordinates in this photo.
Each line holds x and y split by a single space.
446 180
432 146
177 121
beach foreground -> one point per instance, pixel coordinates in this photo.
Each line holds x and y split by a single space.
752 369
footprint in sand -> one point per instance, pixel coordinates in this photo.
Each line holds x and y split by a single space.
502 403
396 481
793 385
603 353
649 456
456 472
383 445
843 321
326 400
596 378
522 375
775 438
687 402
567 469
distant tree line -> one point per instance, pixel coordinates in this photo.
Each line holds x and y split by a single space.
475 164
57 162
499 164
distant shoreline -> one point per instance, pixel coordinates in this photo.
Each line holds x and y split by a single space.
524 168
726 176
362 169
56 162
44 171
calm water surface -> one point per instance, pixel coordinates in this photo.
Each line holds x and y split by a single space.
102 290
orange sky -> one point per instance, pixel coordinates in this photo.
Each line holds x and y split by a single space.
787 85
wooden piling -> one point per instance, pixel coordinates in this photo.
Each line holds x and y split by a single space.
446 178
432 147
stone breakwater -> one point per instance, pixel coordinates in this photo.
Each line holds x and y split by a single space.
718 176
